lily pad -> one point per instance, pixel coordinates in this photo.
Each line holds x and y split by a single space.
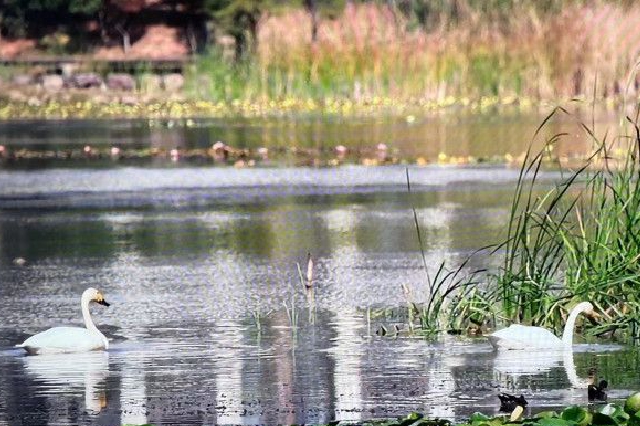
546 415
478 417
632 404
600 419
577 415
554 422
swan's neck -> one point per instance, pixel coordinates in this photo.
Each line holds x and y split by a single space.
86 316
570 368
567 335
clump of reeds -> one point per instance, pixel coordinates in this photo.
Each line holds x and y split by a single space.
372 50
572 241
452 297
579 240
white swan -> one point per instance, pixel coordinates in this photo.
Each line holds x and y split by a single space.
71 339
519 336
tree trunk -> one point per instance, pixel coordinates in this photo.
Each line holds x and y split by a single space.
312 7
191 38
240 44
126 42
126 38
253 31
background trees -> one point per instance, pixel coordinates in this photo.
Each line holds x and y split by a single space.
240 19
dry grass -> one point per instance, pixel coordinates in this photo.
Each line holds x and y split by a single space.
370 50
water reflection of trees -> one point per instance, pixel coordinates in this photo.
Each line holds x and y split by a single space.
283 228
65 236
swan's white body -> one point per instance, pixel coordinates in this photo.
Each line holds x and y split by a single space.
526 337
71 339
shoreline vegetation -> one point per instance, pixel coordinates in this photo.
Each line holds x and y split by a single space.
372 58
626 414
94 104
572 243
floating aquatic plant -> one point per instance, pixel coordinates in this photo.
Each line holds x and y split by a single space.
604 415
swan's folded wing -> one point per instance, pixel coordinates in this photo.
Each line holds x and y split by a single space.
526 337
63 339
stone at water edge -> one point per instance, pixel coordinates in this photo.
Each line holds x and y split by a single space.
632 404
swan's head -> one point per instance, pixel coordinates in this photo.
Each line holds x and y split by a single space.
586 308
94 295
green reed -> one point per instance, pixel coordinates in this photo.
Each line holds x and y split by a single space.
577 241
447 292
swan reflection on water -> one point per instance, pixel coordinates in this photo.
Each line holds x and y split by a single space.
76 372
512 365
516 363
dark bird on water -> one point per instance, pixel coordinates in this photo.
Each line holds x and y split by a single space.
597 392
508 402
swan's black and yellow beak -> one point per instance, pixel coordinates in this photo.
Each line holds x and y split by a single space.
100 300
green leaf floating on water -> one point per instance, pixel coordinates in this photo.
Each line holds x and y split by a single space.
577 415
607 415
551 421
615 412
634 420
601 419
546 415
411 419
478 417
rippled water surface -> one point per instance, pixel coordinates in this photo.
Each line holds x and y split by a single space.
304 139
209 323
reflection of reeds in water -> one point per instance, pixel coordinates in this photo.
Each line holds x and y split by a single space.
292 314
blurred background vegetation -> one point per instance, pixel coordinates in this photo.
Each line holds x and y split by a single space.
436 50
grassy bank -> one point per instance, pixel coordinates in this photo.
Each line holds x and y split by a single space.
371 57
578 241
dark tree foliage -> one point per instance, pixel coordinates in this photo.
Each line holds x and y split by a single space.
240 19
317 7
20 17
122 19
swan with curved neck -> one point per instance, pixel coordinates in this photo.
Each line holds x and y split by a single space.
519 336
71 339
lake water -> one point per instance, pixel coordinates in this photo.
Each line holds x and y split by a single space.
209 323
445 137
